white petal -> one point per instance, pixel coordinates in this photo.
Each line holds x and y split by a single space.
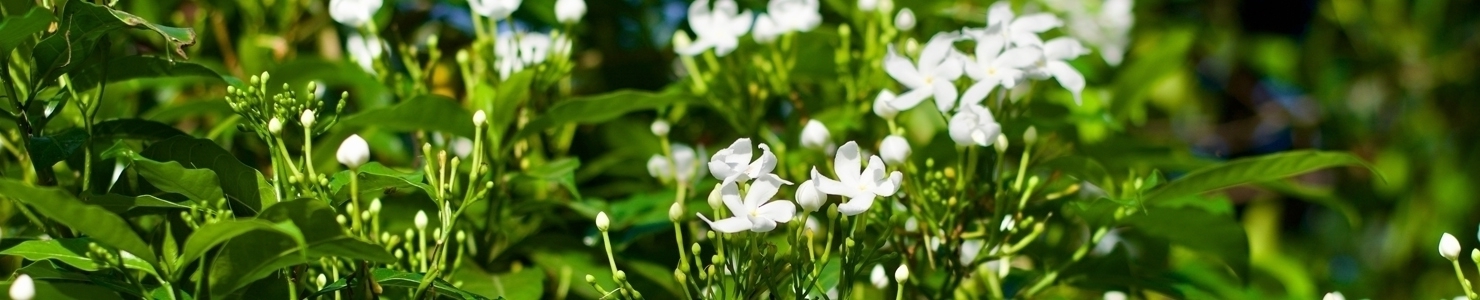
935 51
945 95
658 167
724 45
1026 39
1019 57
761 190
829 186
1067 77
780 211
977 92
961 126
902 70
696 48
728 225
759 224
721 170
808 196
895 149
730 194
911 98
763 165
950 68
986 135
988 47
1035 23
999 12
1063 48
857 204
847 163
738 153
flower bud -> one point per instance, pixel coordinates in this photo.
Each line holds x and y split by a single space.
894 149
274 125
1118 295
375 206
590 279
620 276
479 117
307 118
660 128
905 20
23 288
1449 246
353 13
815 136
353 152
715 197
868 5
1475 255
1001 143
1031 135
882 107
675 212
569 11
878 277
808 196
421 220
602 222
1329 296
902 273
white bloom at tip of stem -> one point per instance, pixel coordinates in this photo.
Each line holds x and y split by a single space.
902 273
1329 296
307 118
569 11
1055 63
717 28
868 5
684 157
995 66
734 164
904 20
420 221
23 288
878 277
795 15
753 212
932 77
1115 295
1020 30
274 125
860 185
1449 246
353 152
375 206
809 197
894 149
882 106
363 51
974 125
815 136
603 222
353 13
479 118
660 127
494 9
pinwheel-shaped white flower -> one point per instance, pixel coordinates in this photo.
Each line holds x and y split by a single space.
1022 31
494 9
569 11
974 125
994 67
1056 54
719 28
353 13
766 30
685 161
753 212
931 77
859 184
733 163
795 15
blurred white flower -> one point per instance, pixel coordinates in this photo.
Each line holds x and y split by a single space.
1449 246
868 5
23 288
1107 30
766 30
353 152
1115 295
660 127
795 15
569 11
461 147
719 28
494 9
882 106
1056 54
970 248
860 186
815 136
931 78
363 51
809 197
894 149
1022 31
515 52
688 164
995 67
904 20
1008 223
753 213
353 13
878 277
733 163
1332 296
812 224
974 125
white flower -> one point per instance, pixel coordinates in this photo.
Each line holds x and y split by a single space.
514 52
420 221
974 124
461 147
895 149
994 67
353 13
684 157
1115 295
904 20
1449 246
970 249
753 213
815 136
719 28
494 9
1056 54
882 106
1329 296
902 273
734 164
1108 30
932 77
860 186
660 128
1023 30
878 277
306 118
868 5
766 30
795 15
353 152
1008 223
569 11
809 197
363 51
23 288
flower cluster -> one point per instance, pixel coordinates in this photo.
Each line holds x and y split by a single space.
515 52
721 25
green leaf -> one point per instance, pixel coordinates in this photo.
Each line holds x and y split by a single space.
476 281
561 170
69 290
123 205
196 184
599 108
1085 168
239 182
426 112
103 226
1250 170
137 67
214 234
377 179
14 30
510 94
1200 230
255 254
72 252
134 129
81 25
47 150
191 108
401 279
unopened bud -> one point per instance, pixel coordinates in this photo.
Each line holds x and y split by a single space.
602 222
902 273
660 128
675 212
274 125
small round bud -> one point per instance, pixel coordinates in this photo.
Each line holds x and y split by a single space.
894 149
660 128
1031 135
1001 143
375 206
878 277
479 118
340 219
675 212
274 125
590 279
23 288
620 276
421 220
1449 246
902 273
815 136
353 152
715 197
904 20
307 118
322 280
882 108
602 222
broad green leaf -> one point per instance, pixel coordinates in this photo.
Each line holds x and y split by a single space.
103 226
476 281
134 129
1200 230
137 67
1250 170
196 184
427 112
124 205
81 25
72 251
510 94
562 171
255 254
49 270
211 235
324 235
47 150
1085 168
15 29
376 180
191 108
599 108
240 183
400 279
69 290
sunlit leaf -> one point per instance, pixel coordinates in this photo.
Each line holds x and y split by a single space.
1250 170
96 222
